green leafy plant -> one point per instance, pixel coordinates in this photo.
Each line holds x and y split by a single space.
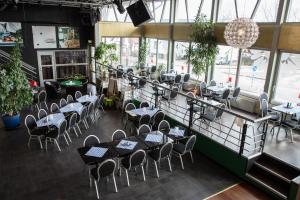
161 67
203 50
15 92
142 53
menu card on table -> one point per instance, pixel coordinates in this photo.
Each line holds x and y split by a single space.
96 152
126 144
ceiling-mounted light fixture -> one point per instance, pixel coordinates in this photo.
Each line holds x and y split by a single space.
241 33
119 5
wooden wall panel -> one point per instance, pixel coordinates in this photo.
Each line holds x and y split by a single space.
181 31
289 37
265 37
160 31
115 29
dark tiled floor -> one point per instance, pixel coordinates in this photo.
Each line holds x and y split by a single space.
36 174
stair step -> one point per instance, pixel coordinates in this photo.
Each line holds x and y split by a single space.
270 181
278 167
273 172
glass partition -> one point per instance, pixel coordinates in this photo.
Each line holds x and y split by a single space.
180 61
130 51
151 52
162 52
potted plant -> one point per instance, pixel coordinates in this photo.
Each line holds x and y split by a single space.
15 92
204 49
142 54
106 54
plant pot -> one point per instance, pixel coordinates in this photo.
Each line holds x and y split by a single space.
11 122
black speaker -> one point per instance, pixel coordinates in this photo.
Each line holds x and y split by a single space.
139 13
89 17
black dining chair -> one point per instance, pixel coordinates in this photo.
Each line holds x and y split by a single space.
164 127
275 116
234 96
54 135
105 169
99 106
91 140
144 104
34 132
70 99
162 77
144 119
83 119
212 83
118 135
189 102
133 161
156 119
62 102
78 94
181 149
72 123
42 113
91 113
54 108
203 92
223 98
42 100
160 154
128 107
290 125
144 129
172 96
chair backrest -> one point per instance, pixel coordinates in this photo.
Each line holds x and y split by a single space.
137 158
164 126
84 113
142 82
174 93
130 106
78 94
118 135
62 102
144 104
177 78
190 100
212 83
158 117
154 86
70 98
42 97
62 127
120 67
225 94
202 86
220 111
153 69
165 150
186 78
106 168
30 122
129 70
144 129
236 92
42 113
190 143
144 119
54 108
91 140
262 96
162 76
264 108
72 120
90 109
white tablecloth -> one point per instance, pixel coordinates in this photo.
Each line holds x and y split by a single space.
52 119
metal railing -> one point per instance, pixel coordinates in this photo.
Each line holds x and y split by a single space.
28 69
233 130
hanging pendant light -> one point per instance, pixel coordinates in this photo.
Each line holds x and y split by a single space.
241 33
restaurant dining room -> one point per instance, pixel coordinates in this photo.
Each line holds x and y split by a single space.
150 99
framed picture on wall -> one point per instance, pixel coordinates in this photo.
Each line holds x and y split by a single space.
9 31
44 37
68 37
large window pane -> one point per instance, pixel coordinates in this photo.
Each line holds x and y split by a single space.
192 8
294 11
180 62
151 52
245 7
226 11
267 11
107 13
117 42
288 82
181 15
162 56
254 65
130 50
226 64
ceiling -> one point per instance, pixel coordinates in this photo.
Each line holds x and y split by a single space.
70 3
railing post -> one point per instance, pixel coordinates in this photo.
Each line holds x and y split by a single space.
264 134
244 133
156 98
191 116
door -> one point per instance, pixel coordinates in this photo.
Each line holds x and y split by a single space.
46 66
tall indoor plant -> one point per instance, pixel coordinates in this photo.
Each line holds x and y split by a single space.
15 92
203 50
142 53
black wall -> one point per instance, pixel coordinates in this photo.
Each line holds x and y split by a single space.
31 15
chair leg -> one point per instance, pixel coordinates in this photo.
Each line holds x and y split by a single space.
115 184
90 177
79 129
180 157
57 144
68 136
157 174
292 137
66 139
169 162
126 172
191 154
144 178
41 145
46 142
29 140
74 129
96 188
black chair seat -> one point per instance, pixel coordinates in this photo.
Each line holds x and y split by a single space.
52 133
179 148
125 162
290 123
38 131
209 116
154 154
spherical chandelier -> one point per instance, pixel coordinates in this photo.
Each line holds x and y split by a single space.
241 33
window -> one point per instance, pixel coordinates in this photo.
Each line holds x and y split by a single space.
226 65
288 81
267 11
151 52
293 12
117 42
180 62
226 11
162 54
130 51
186 11
108 13
253 70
